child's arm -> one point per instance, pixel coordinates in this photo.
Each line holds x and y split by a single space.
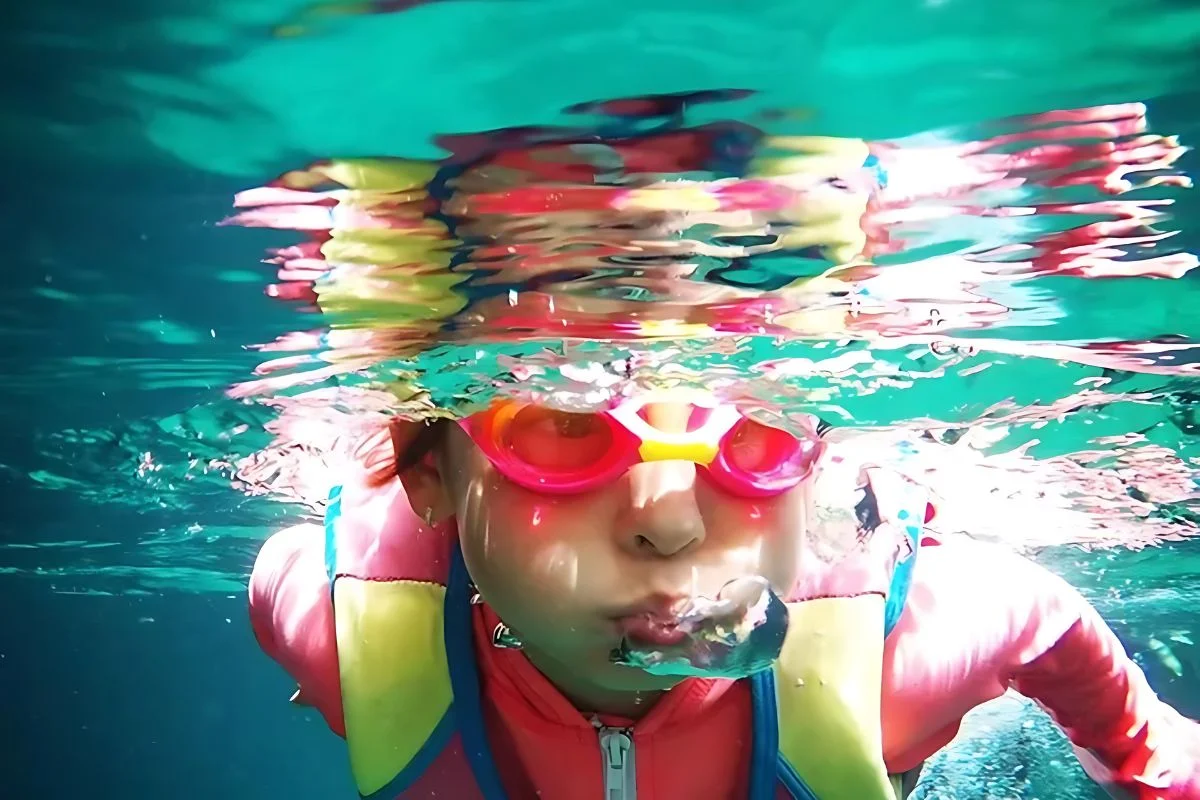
291 611
981 620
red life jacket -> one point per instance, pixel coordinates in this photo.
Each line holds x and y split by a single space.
411 689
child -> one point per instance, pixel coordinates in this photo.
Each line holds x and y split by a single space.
533 603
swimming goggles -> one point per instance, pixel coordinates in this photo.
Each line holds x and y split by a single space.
559 452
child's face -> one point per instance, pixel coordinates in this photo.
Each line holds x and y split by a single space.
564 571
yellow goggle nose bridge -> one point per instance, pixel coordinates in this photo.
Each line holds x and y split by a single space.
698 452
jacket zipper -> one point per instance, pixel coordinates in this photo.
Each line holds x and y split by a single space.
616 751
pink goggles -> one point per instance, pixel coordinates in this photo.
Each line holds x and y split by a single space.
560 452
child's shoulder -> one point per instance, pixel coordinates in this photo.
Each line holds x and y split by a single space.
290 566
291 614
984 598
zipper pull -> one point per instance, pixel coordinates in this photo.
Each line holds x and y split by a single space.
616 751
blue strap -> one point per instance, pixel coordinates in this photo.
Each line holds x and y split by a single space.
464 679
768 767
764 745
423 760
333 511
902 575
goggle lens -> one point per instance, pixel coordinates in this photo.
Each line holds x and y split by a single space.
759 449
555 441
565 452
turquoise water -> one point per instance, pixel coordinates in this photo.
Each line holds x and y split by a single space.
132 311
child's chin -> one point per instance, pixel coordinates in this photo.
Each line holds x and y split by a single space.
630 679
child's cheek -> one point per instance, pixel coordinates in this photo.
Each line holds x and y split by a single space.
540 539
528 578
773 530
519 534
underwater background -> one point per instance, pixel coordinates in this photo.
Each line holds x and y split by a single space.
127 665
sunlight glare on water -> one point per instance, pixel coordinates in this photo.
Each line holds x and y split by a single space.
866 281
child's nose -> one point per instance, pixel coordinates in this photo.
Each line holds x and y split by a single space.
663 517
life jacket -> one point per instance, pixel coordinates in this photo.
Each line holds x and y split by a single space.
410 686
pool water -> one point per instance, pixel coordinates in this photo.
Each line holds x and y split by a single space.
1012 275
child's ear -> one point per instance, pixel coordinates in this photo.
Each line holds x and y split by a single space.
426 492
422 480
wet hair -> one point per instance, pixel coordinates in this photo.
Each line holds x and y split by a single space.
389 452
427 439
